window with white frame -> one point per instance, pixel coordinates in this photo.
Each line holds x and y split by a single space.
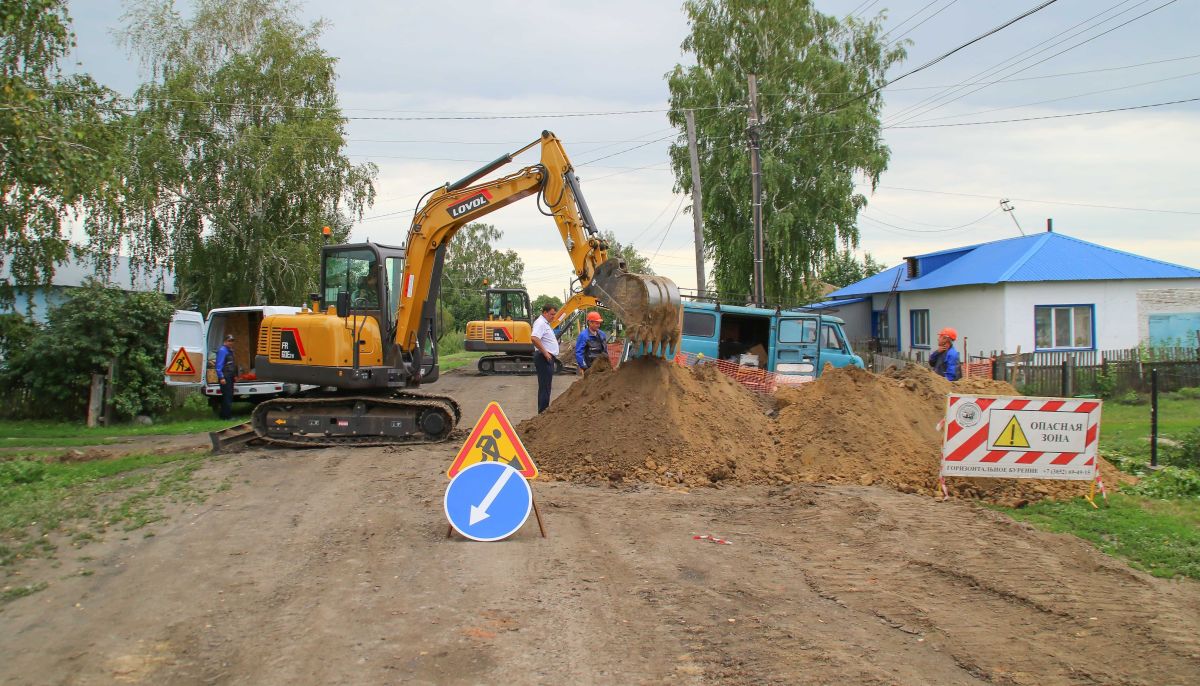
919 328
1058 327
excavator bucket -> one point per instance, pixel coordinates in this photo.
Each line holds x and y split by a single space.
649 306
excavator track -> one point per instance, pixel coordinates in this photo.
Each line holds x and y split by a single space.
515 365
404 418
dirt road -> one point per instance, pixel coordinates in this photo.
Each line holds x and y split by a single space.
332 567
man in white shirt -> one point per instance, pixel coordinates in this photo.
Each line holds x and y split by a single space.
546 345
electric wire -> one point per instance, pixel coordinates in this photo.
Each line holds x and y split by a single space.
1026 68
901 36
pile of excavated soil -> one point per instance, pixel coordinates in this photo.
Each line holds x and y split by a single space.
650 420
852 426
653 421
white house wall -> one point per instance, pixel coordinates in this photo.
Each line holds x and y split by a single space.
1118 322
976 312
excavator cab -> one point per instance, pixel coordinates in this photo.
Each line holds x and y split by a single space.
508 304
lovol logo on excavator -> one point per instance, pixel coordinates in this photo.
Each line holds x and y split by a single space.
474 202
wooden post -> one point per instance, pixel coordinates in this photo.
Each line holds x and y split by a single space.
109 391
95 400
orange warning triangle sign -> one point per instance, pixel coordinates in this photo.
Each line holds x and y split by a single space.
494 440
181 364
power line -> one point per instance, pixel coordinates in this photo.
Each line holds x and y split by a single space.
1045 202
1003 64
1006 80
1026 68
1048 116
1065 97
897 38
942 230
939 58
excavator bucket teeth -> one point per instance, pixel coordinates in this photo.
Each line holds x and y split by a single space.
649 306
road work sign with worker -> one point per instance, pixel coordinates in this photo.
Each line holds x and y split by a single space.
1021 438
494 440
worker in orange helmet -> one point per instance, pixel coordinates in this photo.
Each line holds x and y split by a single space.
592 342
945 360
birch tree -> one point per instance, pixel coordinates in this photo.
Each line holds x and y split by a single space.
818 78
234 155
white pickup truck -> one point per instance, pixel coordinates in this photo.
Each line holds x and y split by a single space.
192 342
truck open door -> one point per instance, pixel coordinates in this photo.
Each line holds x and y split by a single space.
185 358
797 355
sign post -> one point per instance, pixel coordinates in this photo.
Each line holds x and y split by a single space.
1021 438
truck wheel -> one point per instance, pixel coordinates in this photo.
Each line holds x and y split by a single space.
214 401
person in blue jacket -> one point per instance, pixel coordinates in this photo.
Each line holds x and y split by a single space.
226 374
945 360
592 342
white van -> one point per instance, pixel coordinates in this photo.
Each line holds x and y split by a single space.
192 343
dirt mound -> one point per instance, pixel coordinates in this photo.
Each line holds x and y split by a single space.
651 420
852 426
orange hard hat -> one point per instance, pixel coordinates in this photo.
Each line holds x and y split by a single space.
949 333
594 317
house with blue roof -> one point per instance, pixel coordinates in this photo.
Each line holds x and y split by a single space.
1042 292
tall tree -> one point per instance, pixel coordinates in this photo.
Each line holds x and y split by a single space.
235 155
472 265
817 78
56 145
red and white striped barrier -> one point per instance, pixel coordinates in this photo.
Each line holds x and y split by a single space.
1020 438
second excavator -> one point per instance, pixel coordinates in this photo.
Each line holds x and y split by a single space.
368 338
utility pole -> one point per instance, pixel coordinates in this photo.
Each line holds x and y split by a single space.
756 189
1008 207
697 205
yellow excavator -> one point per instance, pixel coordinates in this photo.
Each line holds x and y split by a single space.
367 339
507 332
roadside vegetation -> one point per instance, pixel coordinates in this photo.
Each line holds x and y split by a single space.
48 504
1154 524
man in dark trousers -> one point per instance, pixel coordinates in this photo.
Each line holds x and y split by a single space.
945 360
592 342
226 375
544 357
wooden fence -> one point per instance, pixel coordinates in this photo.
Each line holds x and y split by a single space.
1100 372
1086 372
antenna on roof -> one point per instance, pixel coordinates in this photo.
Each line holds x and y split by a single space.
1008 207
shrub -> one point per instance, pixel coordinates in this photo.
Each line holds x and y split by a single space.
1169 482
1186 453
1132 398
1189 393
96 326
1106 384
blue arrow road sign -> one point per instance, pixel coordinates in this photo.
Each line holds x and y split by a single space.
488 501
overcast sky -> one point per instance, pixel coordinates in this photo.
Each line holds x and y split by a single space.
944 184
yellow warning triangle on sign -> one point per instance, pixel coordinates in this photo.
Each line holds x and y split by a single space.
494 440
181 364
1012 436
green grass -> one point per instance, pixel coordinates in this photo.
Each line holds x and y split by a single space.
1159 534
44 502
1161 537
1126 428
32 434
456 360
